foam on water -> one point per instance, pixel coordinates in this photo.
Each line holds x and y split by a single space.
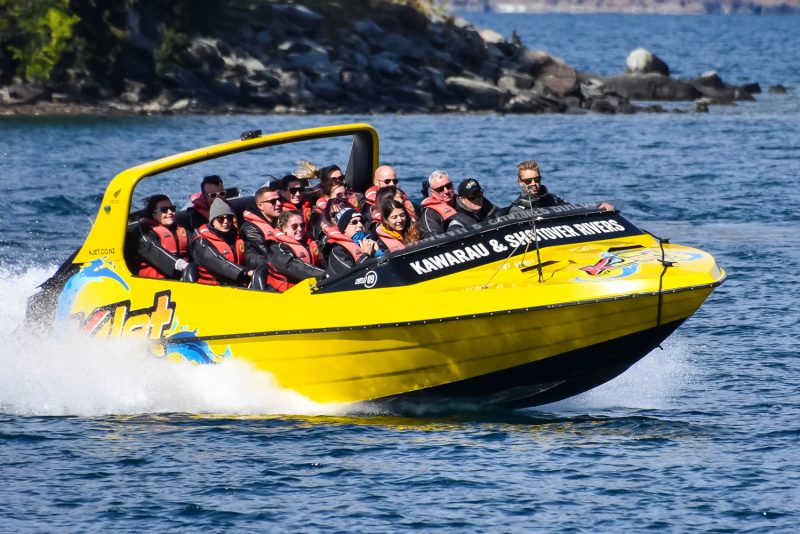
651 384
75 375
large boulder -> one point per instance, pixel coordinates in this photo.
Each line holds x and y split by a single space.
643 61
478 94
650 87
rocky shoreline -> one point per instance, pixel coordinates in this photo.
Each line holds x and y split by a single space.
290 58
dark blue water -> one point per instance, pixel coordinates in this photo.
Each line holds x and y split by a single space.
702 435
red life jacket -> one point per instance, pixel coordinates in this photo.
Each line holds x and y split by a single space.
267 229
391 242
233 254
176 243
279 280
445 210
339 238
371 194
199 204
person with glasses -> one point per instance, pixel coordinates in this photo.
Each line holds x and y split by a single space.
471 206
384 178
218 249
211 188
259 226
350 245
293 192
162 247
293 258
440 205
533 194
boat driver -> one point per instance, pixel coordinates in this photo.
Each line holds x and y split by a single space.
439 207
534 194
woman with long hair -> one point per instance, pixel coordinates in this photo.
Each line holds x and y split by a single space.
395 231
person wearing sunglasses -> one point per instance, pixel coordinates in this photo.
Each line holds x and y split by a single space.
293 193
350 245
385 178
218 249
533 194
162 246
440 205
260 223
211 188
471 206
293 257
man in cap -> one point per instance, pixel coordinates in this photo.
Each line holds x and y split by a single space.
471 206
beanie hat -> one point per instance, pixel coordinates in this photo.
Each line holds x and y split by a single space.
345 216
219 207
469 188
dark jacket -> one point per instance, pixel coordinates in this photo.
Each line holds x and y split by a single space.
209 257
283 260
465 217
256 247
339 260
149 249
544 199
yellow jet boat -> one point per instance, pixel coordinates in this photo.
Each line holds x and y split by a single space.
518 311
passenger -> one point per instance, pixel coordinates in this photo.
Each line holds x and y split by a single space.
329 191
439 207
350 246
329 177
211 187
293 190
471 206
325 224
293 259
258 228
396 231
385 177
163 246
218 249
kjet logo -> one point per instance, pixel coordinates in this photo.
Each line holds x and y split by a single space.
368 280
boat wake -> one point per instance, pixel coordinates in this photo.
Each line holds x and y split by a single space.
75 375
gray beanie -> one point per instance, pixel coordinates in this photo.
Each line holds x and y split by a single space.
219 207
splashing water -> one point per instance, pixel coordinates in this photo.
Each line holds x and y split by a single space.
71 374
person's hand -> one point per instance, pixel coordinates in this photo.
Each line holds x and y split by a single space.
605 206
368 246
250 273
181 265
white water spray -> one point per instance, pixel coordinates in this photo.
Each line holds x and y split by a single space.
76 375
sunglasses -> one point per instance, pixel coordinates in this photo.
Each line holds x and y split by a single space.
271 201
166 209
225 218
476 196
294 190
293 226
439 189
221 194
526 181
389 181
353 222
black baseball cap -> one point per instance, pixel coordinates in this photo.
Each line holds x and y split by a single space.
469 188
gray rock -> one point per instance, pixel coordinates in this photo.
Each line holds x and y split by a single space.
19 93
525 102
204 56
254 68
422 100
354 79
367 28
776 89
650 87
290 80
264 39
327 89
478 94
555 77
391 42
514 81
385 67
643 61
301 16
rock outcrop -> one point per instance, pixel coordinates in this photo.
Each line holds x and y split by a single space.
289 58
